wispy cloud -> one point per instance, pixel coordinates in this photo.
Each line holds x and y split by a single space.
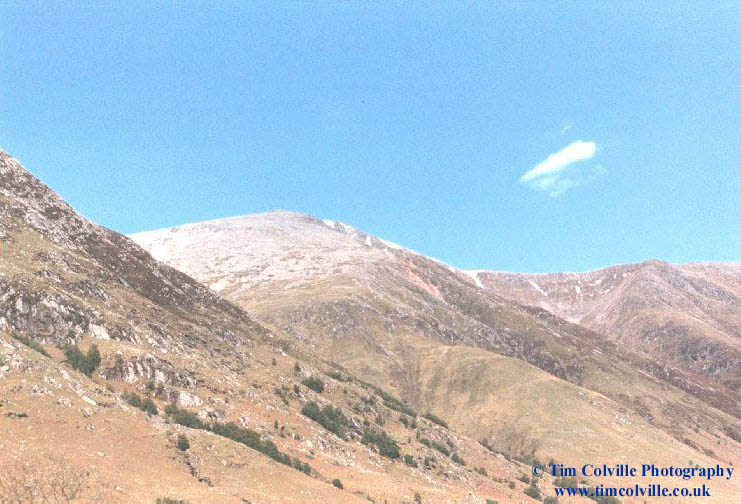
556 174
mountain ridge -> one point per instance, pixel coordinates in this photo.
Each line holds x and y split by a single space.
208 372
377 312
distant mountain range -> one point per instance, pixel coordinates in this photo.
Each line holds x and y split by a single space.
688 316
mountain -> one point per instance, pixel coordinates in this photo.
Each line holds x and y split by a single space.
517 377
125 380
687 316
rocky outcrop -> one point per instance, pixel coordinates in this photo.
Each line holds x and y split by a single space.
147 367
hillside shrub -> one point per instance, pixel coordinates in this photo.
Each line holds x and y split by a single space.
409 460
387 447
566 482
146 405
605 499
533 491
85 363
183 443
393 403
337 483
247 437
149 407
314 383
732 433
336 375
437 446
301 466
434 419
134 400
33 345
184 417
457 459
330 418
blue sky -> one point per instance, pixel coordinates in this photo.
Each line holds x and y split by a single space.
519 136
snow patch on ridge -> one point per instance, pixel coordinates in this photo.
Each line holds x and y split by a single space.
391 244
537 288
475 275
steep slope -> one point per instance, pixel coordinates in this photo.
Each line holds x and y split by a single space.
688 316
389 314
177 360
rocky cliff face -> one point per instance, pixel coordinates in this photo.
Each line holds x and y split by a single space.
84 276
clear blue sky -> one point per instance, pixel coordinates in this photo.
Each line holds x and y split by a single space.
429 125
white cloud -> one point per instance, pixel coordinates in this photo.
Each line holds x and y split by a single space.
556 174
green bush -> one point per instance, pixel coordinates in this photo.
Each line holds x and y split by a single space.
533 491
336 375
566 482
550 500
183 443
134 400
336 482
232 431
434 444
409 460
393 403
387 447
605 499
732 433
251 439
33 345
314 383
434 419
301 466
149 407
458 460
146 405
330 418
184 417
85 363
